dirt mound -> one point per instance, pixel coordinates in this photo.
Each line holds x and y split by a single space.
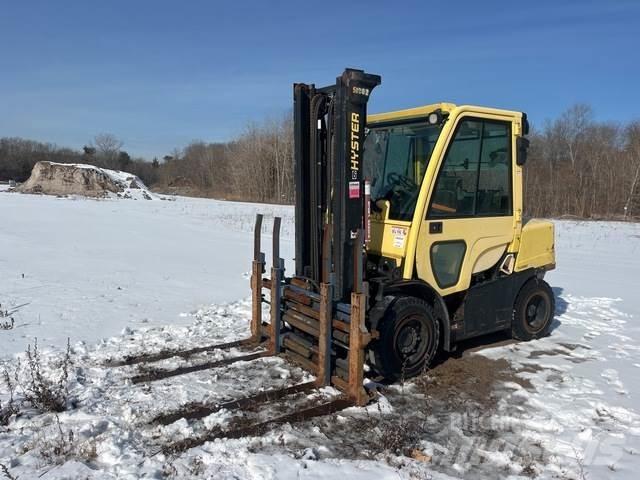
78 179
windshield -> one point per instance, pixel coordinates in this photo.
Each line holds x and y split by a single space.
395 159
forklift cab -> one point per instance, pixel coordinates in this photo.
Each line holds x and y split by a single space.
446 191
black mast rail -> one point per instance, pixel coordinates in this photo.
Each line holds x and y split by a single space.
329 127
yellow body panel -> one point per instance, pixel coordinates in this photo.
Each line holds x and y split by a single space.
390 239
537 248
485 238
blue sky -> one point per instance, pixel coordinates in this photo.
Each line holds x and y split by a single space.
159 74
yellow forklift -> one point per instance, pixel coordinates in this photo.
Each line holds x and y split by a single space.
409 238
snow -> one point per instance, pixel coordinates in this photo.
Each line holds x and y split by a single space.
86 269
123 277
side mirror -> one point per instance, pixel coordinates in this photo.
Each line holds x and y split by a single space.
522 145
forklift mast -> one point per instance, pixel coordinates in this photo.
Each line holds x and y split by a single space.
330 210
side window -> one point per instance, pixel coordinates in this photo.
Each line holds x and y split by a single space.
446 260
455 193
494 182
475 177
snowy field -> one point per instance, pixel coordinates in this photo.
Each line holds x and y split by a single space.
87 269
119 277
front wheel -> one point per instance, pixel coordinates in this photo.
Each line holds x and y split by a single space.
533 310
409 335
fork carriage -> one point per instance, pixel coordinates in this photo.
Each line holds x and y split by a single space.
324 336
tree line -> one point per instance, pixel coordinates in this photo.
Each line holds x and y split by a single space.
255 166
576 166
584 168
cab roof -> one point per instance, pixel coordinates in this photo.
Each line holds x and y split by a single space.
421 112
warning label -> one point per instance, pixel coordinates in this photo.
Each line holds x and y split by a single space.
399 234
354 189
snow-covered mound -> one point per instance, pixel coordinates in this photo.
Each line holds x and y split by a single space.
79 179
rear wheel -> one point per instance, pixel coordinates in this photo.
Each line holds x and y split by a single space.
533 310
409 334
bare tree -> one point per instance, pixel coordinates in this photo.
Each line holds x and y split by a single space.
108 148
572 126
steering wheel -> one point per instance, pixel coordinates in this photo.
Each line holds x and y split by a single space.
395 179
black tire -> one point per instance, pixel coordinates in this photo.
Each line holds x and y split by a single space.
533 310
409 337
